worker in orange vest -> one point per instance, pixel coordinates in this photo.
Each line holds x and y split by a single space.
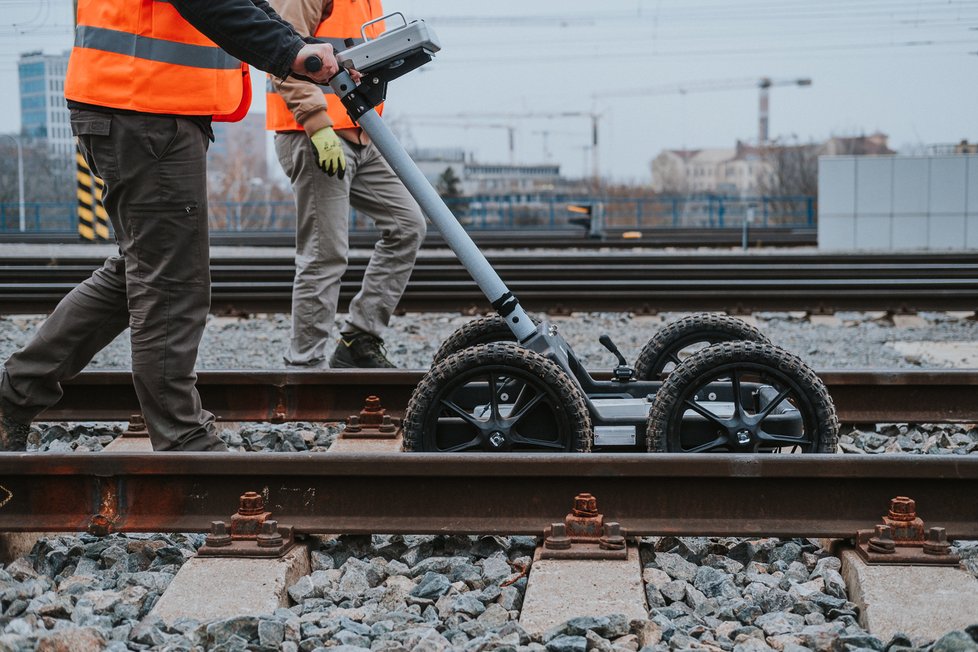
144 81
314 135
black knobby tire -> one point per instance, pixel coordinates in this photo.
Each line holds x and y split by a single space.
556 403
664 348
484 330
730 362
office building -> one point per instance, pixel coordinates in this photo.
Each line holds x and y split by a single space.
43 113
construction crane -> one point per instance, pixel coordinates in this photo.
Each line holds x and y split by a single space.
546 115
764 84
545 133
441 122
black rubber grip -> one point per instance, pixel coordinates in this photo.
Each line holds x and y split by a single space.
313 63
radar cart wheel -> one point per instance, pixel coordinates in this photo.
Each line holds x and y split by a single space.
484 330
678 340
497 397
746 397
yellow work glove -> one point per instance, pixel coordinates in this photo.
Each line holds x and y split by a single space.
330 152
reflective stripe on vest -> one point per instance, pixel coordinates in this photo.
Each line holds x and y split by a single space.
141 55
153 49
343 23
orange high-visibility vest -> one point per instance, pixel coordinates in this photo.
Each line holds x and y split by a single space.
344 22
141 55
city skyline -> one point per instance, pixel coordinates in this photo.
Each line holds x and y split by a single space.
907 69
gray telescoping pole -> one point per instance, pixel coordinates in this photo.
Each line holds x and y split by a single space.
417 184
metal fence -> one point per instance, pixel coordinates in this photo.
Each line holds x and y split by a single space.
485 213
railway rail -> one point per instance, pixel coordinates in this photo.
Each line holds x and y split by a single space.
554 282
399 493
860 396
529 238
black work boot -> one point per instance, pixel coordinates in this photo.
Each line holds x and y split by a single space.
360 349
13 434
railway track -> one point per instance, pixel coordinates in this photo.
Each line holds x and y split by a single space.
554 282
335 493
529 238
358 493
860 396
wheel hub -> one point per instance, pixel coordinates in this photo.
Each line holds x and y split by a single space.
743 436
497 440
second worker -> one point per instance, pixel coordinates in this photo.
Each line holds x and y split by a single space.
332 166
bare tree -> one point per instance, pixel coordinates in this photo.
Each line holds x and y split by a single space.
240 195
793 170
669 173
49 185
46 178
791 179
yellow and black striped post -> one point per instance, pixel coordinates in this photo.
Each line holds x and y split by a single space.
93 221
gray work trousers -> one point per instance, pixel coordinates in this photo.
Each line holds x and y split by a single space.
154 169
322 242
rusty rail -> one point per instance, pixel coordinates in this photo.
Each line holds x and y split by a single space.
559 281
861 396
736 495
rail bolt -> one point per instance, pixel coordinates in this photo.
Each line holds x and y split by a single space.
387 424
936 543
612 539
251 504
269 537
372 413
585 505
903 509
883 542
372 404
219 535
558 539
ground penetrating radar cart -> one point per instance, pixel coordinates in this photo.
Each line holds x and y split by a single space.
704 383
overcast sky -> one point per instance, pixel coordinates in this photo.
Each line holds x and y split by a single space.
908 68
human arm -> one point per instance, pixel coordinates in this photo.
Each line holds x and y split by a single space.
305 100
250 30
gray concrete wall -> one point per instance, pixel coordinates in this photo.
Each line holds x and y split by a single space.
898 202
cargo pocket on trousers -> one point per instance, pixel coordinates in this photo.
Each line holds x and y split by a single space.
167 242
93 132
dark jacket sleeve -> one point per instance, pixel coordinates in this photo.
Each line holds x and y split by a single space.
248 30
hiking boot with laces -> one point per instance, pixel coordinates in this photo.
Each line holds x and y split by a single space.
13 434
360 349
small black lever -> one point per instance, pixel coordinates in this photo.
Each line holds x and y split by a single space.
622 373
608 344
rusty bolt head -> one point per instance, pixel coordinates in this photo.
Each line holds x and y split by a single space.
882 542
136 422
585 505
936 543
903 509
372 404
612 539
251 504
269 536
558 539
387 424
218 536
